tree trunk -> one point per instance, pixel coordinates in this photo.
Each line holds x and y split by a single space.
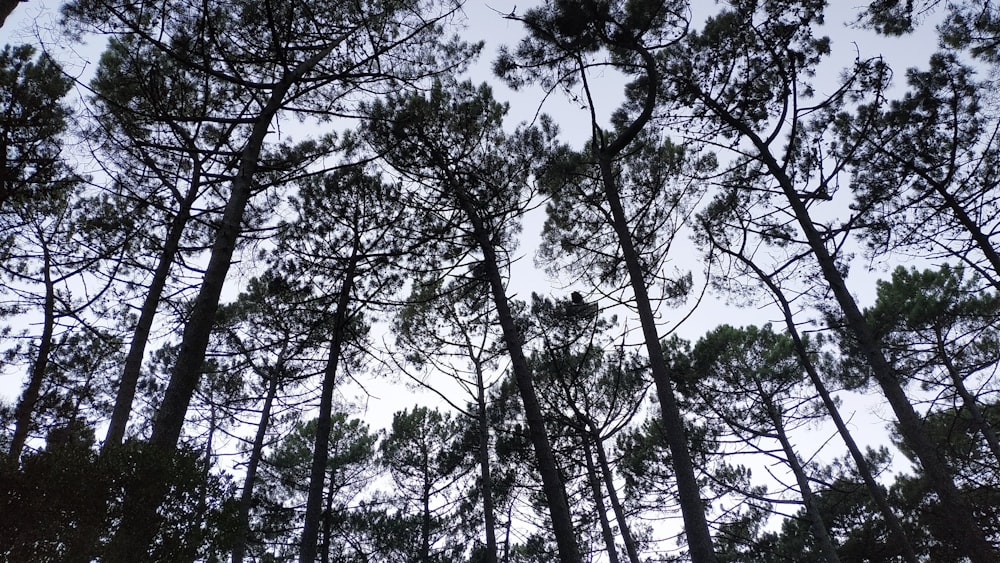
964 531
692 508
485 480
981 239
207 470
598 494
425 515
963 528
26 406
321 449
874 489
6 8
324 554
246 497
699 538
820 532
968 400
552 483
137 349
131 542
602 459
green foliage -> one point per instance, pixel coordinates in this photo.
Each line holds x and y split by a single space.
43 522
40 520
658 197
921 164
425 198
937 327
976 28
284 484
424 459
32 117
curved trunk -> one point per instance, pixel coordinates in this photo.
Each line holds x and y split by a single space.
6 8
699 538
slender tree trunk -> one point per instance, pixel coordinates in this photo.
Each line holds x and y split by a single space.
692 508
425 516
140 337
485 480
874 489
132 541
963 529
600 508
324 554
321 449
207 470
26 406
552 483
968 400
699 538
194 343
137 349
981 239
187 368
820 532
602 459
246 497
507 531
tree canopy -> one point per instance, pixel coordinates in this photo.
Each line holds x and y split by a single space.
287 281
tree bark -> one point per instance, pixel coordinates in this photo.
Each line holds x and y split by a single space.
963 529
820 532
246 496
600 508
485 480
552 483
321 449
692 508
699 537
602 459
874 489
131 542
137 349
26 405
968 400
